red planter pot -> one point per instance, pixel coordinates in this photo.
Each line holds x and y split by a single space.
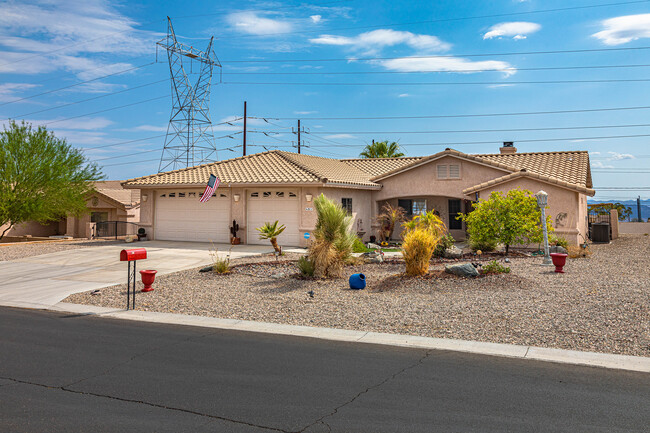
559 260
148 277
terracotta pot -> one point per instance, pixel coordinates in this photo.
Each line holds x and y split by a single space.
559 260
148 277
235 241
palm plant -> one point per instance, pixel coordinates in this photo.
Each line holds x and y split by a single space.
271 232
333 238
382 149
389 217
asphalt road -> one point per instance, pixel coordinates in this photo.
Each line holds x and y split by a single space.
71 373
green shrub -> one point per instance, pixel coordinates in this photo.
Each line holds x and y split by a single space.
447 241
484 245
306 266
554 239
220 265
358 246
495 267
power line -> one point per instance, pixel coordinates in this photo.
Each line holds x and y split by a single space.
76 84
441 20
132 162
517 53
553 68
448 83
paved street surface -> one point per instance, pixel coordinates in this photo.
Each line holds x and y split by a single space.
42 281
76 373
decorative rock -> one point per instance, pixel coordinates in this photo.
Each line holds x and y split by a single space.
462 270
207 269
372 257
557 249
371 245
453 252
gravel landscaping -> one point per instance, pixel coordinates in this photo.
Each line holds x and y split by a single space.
600 304
21 250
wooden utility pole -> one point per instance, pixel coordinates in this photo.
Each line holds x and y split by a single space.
244 128
298 135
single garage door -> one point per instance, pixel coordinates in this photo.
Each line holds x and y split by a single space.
270 205
181 217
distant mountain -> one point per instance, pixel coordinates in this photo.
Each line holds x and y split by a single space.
645 206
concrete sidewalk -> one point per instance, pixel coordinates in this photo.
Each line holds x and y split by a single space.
592 359
42 281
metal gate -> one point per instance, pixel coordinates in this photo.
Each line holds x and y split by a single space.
114 229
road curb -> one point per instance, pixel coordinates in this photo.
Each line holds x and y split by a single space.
574 357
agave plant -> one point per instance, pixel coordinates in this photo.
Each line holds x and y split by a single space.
333 238
271 232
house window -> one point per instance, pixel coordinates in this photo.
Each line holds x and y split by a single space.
163 195
98 217
223 196
448 171
454 210
172 194
181 194
255 194
192 194
279 194
347 205
292 194
413 207
266 194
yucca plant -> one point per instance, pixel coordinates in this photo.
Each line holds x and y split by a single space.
271 232
333 238
423 233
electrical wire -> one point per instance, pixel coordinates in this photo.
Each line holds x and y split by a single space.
430 83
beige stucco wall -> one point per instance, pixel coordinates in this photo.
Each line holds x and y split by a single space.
633 228
32 228
422 181
361 207
560 201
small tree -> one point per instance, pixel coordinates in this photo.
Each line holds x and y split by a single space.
333 238
271 232
41 177
624 212
508 219
389 217
382 149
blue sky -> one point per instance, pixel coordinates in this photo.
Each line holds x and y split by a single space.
397 59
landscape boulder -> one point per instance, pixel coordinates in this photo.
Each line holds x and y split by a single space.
453 252
462 270
373 246
372 257
557 249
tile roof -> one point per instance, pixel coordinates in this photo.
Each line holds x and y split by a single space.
278 167
526 173
378 166
267 168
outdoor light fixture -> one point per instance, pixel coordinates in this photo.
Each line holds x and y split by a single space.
145 197
308 197
542 201
236 197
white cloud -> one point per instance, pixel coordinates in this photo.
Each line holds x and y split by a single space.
517 30
8 90
303 113
594 153
624 29
316 18
374 41
153 128
615 156
433 64
403 95
598 164
256 24
339 136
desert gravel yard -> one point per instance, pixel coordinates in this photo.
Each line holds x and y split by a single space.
21 250
600 304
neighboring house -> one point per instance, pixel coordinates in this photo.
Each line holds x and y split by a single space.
279 185
110 202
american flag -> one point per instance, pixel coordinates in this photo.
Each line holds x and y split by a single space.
212 186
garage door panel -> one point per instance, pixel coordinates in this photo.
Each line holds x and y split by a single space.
186 219
280 205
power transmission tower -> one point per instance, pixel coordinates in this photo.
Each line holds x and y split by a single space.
190 139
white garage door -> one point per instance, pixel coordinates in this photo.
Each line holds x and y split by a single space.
181 217
270 205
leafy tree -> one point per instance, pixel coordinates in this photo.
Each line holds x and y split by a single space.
508 219
382 149
42 178
271 232
624 212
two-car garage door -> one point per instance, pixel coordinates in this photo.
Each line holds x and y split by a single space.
181 217
269 205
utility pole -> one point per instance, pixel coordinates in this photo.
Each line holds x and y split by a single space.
638 209
298 135
244 129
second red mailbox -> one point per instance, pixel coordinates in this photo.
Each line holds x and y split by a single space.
133 254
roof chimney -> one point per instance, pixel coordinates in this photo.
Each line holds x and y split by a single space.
508 147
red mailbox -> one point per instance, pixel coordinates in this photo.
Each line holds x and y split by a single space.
133 254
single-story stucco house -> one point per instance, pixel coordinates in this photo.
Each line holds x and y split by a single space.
278 185
108 202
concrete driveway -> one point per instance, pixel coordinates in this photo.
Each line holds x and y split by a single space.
42 281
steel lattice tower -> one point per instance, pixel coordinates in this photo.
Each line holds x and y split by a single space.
190 139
